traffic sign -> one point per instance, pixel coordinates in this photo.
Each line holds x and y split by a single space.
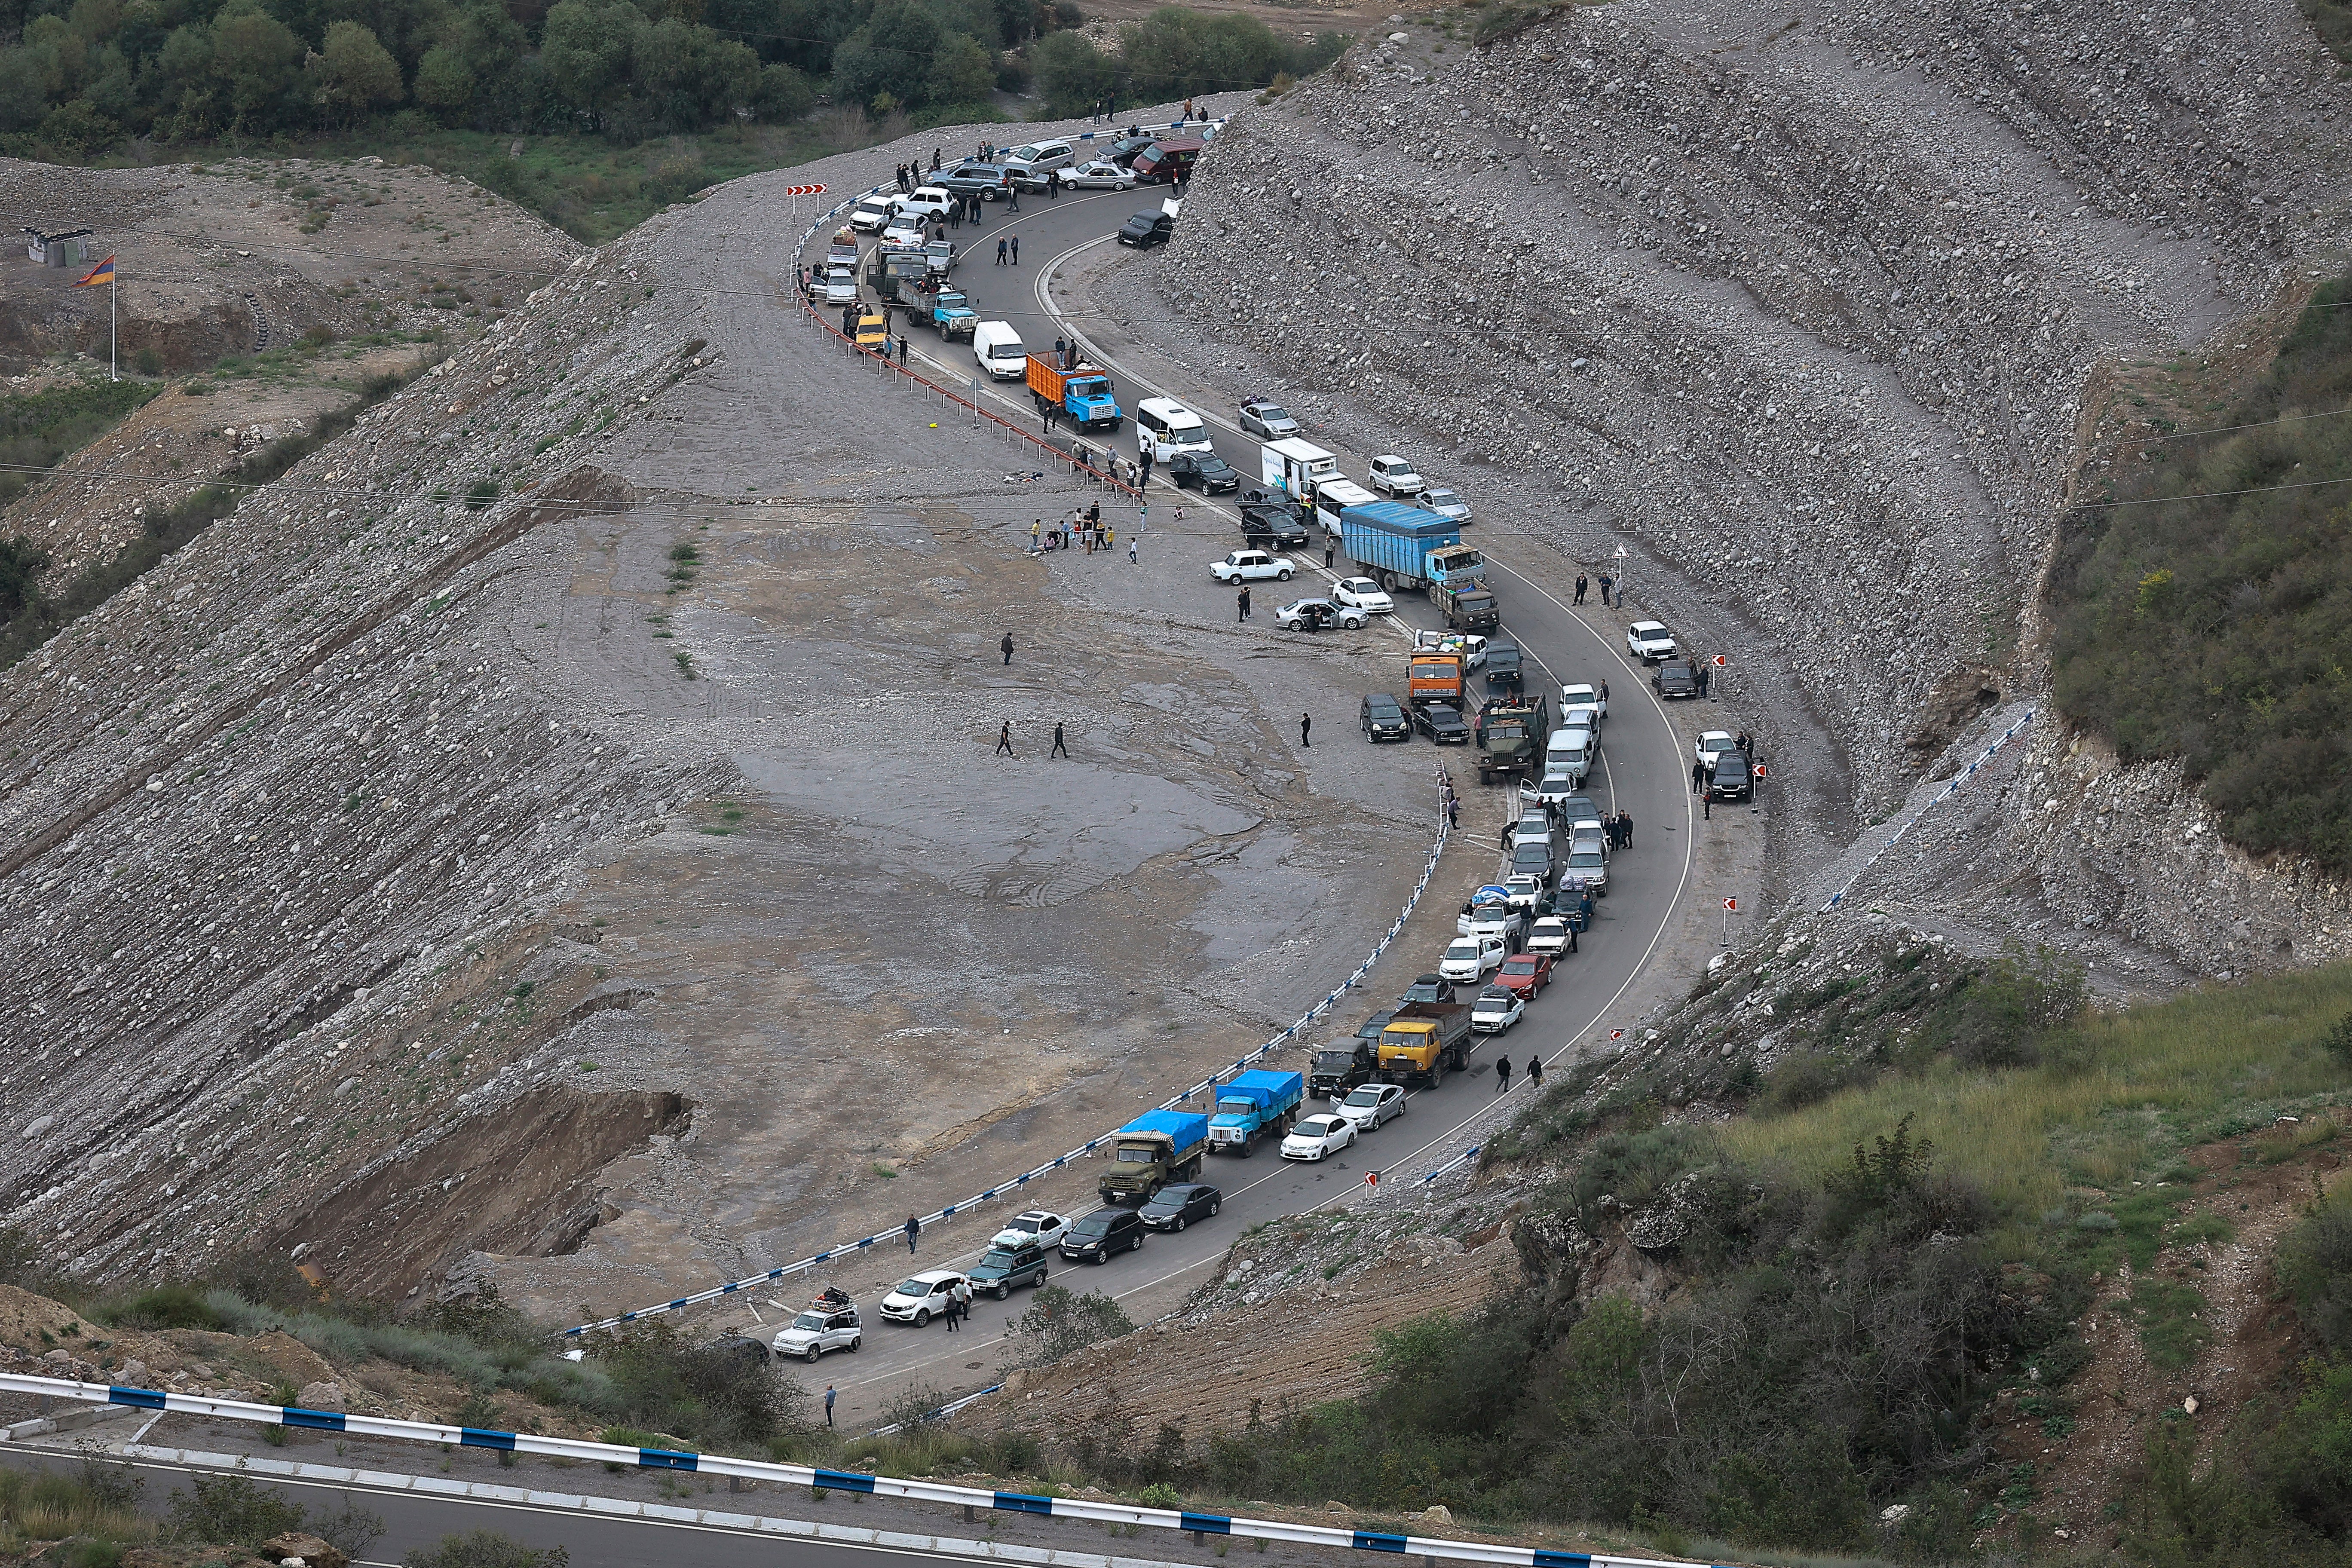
1616 1033
1759 770
1371 1178
804 190
1721 662
1731 904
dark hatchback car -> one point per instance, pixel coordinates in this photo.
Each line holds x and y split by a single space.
1441 724
1005 1267
1146 230
1427 988
1677 677
1732 779
1384 719
1180 1206
1202 471
1094 1238
1503 672
1124 150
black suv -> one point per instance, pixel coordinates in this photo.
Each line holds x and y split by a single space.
1441 725
1677 677
1145 230
1428 988
1383 718
1204 471
1273 519
1006 1266
1731 779
1175 1207
1094 1238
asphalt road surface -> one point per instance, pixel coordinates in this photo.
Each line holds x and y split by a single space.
1644 769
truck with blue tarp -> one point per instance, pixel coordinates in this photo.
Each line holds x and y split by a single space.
1258 1103
1155 1148
1400 546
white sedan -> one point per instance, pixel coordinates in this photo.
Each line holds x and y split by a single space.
1368 1105
841 285
1364 594
1319 1137
1100 175
1311 615
1040 1226
1497 1009
1549 937
1649 640
1253 566
1471 959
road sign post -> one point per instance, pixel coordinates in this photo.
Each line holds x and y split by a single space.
1731 908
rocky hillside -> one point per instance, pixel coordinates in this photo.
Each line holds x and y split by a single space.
1801 311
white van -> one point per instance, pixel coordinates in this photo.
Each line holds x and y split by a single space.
1333 496
1569 754
1164 427
999 349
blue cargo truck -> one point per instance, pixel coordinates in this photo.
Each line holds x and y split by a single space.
1256 1104
1155 1148
1400 546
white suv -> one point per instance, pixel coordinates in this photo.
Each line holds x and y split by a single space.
1392 476
1649 641
816 1331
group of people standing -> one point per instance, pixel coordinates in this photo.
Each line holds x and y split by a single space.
1607 583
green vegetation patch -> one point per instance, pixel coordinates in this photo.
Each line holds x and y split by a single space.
39 427
2212 625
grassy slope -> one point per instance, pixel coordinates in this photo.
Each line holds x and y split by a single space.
2160 1078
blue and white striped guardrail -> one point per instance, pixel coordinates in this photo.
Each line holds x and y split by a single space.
1201 1524
1002 1189
1950 790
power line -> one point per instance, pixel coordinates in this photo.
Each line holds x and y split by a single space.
2207 495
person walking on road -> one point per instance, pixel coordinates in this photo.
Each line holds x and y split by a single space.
1306 722
1330 548
1579 587
1626 827
1059 750
902 351
1000 250
1017 240
1143 469
1006 648
1244 604
1452 813
955 1309
1003 749
1130 549
1698 777
914 1228
1535 1072
1502 1076
829 1393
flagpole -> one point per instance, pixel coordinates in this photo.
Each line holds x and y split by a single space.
113 371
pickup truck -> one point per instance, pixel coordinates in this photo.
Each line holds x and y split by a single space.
1255 1104
954 318
1424 1040
1342 1065
1491 919
1467 606
1155 1148
1083 393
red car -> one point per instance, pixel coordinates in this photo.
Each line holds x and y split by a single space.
1526 972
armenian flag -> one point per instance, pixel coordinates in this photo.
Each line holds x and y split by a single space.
101 273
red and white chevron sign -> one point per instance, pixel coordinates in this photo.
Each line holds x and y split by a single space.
804 190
